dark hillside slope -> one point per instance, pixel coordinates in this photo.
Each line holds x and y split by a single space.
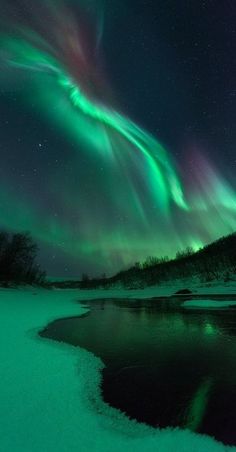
215 261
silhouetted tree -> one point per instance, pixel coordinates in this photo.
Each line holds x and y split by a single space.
185 253
17 259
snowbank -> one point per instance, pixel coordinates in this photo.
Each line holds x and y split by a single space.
165 289
49 392
208 304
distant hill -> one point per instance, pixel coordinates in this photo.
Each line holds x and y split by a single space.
213 262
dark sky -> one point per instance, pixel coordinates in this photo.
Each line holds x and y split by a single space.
174 66
171 69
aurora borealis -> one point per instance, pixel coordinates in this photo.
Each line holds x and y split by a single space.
97 190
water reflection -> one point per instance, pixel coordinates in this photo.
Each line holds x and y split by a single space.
165 365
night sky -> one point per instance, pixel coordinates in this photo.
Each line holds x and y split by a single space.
117 128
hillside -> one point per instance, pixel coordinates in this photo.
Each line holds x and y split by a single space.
216 261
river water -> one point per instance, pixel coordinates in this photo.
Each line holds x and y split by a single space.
165 365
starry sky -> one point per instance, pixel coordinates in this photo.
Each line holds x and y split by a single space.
117 128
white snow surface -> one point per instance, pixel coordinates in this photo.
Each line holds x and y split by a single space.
216 287
49 392
208 304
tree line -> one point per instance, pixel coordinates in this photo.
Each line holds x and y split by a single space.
18 265
213 262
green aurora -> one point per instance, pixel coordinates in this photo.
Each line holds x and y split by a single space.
141 204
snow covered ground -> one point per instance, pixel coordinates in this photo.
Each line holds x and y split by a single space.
208 304
49 392
166 289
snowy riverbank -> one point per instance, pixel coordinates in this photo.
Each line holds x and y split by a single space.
49 397
217 287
